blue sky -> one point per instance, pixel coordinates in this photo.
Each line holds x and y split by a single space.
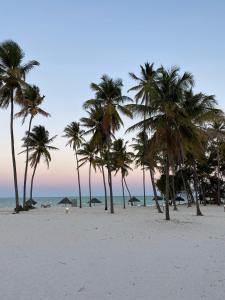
78 41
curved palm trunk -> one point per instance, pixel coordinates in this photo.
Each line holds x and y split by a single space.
13 154
198 211
128 190
32 179
90 184
124 205
78 178
167 211
26 164
144 185
155 192
105 190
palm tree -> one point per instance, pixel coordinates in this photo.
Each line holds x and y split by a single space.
38 143
121 160
163 116
94 125
31 100
12 76
88 151
217 133
74 135
108 96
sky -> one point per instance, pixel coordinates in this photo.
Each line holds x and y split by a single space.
76 42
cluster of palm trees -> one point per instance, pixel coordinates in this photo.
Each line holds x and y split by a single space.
14 89
178 133
174 132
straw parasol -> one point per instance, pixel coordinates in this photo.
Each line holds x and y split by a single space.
95 200
65 201
31 202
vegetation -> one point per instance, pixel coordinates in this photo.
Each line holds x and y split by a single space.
178 135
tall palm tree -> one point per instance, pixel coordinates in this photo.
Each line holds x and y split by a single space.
163 115
93 124
74 135
88 152
31 100
38 143
12 79
108 96
121 161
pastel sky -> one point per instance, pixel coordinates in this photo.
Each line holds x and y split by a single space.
77 42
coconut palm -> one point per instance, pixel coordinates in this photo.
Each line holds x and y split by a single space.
93 124
74 135
108 96
163 116
121 161
217 133
31 100
88 152
38 143
12 79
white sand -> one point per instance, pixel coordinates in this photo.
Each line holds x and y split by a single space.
135 254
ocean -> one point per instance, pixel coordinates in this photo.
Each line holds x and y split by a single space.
9 202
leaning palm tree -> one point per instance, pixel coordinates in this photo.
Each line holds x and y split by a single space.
88 152
12 79
74 135
38 143
108 96
121 161
31 100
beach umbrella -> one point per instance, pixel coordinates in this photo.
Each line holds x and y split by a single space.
134 199
65 201
179 199
95 200
158 198
31 202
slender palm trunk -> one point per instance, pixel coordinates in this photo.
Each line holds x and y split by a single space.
144 185
155 192
167 212
198 211
105 190
127 187
32 179
26 164
185 188
190 192
110 180
13 154
78 178
90 184
124 205
218 178
203 192
173 194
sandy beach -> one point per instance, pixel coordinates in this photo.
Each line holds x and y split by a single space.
46 254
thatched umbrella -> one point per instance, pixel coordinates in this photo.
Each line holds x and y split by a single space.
31 202
133 200
95 200
65 201
180 199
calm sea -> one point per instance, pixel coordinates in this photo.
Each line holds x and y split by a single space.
10 202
